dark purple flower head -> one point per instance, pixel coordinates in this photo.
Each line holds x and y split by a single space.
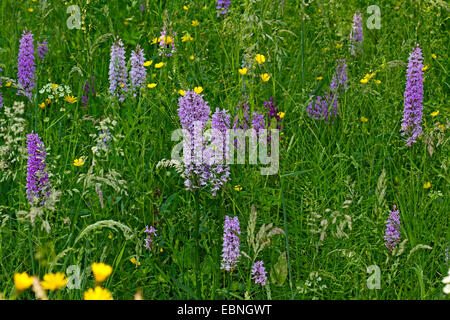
339 80
392 233
26 65
356 34
413 108
222 7
259 273
231 242
42 49
272 114
38 185
118 70
138 74
323 107
272 110
88 88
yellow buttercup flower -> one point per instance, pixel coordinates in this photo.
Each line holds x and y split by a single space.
22 281
78 162
134 261
377 81
97 294
265 77
191 58
195 23
281 114
426 67
237 188
181 92
42 105
339 45
151 85
433 56
154 41
168 40
260 58
365 80
148 63
243 71
110 236
434 114
101 271
30 10
198 90
70 99
54 281
8 84
319 78
159 65
427 185
186 37
364 119
122 85
186 7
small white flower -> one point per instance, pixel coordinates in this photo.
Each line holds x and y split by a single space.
446 280
447 289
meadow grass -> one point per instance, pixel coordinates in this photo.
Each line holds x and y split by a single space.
348 173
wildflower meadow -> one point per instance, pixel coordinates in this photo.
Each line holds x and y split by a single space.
224 150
